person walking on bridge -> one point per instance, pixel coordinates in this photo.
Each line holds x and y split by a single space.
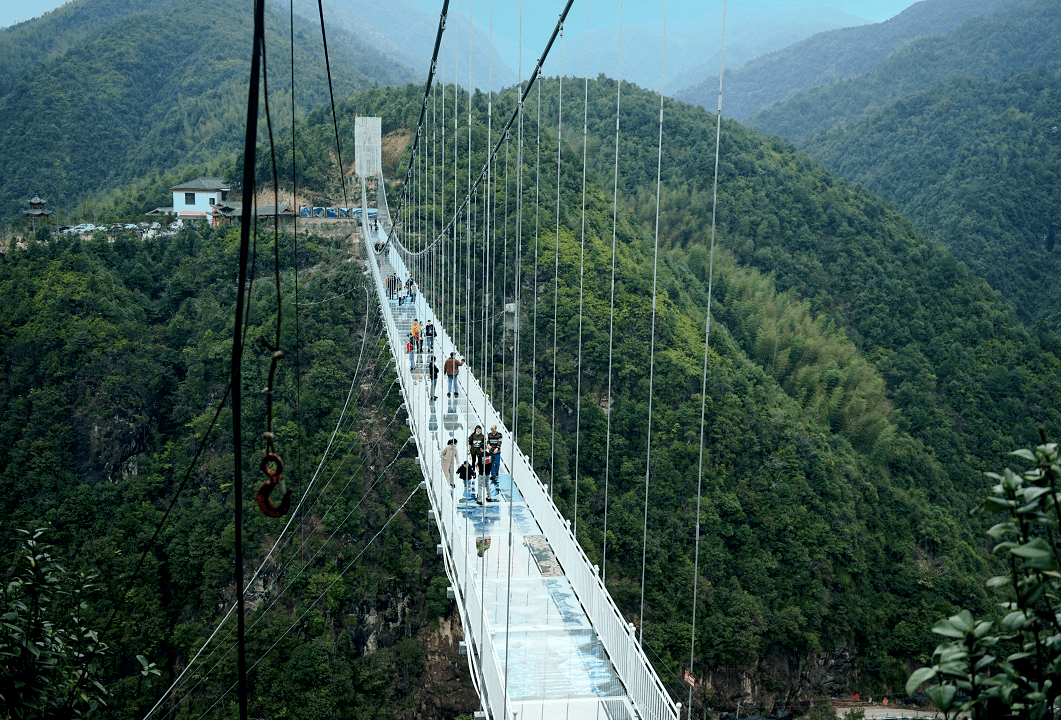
476 448
493 447
418 335
451 367
429 333
447 460
432 372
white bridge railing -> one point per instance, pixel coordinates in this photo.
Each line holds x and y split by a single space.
619 638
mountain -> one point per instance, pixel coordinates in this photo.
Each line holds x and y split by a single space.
157 86
1013 40
692 48
975 163
860 379
829 56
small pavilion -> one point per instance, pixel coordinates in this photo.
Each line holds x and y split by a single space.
36 214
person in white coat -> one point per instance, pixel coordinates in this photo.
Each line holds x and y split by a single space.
448 454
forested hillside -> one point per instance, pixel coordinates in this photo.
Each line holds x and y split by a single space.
149 90
827 57
974 163
859 379
1015 39
115 358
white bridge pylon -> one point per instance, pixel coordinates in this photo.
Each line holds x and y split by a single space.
544 638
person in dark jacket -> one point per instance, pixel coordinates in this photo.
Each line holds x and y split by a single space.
429 333
477 448
432 371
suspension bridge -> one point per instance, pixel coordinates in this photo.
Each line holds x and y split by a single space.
543 636
544 639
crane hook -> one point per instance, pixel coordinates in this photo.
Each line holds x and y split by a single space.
275 477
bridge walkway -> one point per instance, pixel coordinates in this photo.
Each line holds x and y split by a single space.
544 638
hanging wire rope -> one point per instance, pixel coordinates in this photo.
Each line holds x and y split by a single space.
281 573
283 569
504 283
516 346
611 305
236 377
280 537
556 264
557 32
707 341
582 259
331 97
423 106
651 361
320 597
534 324
490 220
515 355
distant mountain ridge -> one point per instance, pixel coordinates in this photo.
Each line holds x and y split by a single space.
1012 40
829 56
975 163
693 48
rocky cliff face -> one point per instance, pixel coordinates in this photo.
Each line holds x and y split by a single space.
779 680
440 686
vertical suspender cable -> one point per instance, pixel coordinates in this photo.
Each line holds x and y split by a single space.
468 212
534 325
652 346
556 261
515 348
611 313
504 280
490 206
453 258
707 340
582 263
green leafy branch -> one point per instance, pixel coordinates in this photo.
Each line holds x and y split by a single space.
1011 669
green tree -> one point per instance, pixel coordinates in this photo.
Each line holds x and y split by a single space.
1009 668
49 654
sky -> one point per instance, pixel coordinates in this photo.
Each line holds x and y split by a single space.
637 12
538 22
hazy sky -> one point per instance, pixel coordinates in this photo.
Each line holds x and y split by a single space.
638 12
540 16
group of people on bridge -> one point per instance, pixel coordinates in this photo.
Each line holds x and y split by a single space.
404 292
483 463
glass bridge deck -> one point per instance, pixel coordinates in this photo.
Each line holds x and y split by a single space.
534 651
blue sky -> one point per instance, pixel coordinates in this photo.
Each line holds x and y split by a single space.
538 20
